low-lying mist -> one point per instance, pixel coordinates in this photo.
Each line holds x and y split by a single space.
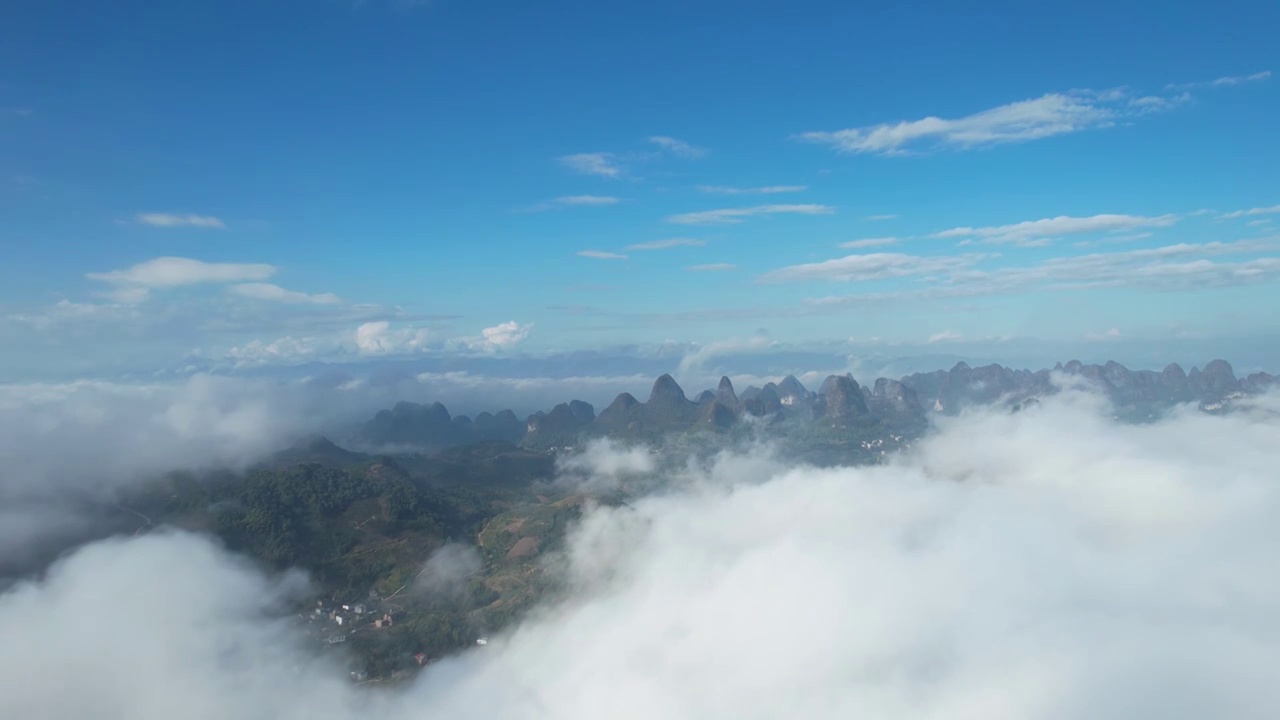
1049 563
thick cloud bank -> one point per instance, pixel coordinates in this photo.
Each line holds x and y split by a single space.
1044 564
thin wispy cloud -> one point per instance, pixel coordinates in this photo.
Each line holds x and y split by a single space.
165 272
727 216
877 218
600 164
869 242
765 190
1171 268
667 243
944 336
601 255
1112 334
871 266
1046 116
126 295
275 293
713 267
168 220
566 201
1226 81
679 148
586 200
1035 233
1251 212
617 165
1113 240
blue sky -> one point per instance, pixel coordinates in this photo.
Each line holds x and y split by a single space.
237 184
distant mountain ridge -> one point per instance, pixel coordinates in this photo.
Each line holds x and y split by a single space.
840 402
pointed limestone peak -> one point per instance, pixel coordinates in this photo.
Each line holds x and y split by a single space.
1173 371
666 390
404 407
791 387
1258 382
833 381
725 393
439 412
1219 369
718 416
844 399
583 411
624 401
769 400
315 443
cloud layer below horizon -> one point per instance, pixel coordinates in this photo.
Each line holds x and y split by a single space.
1045 564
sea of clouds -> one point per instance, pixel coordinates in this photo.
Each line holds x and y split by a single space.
1050 564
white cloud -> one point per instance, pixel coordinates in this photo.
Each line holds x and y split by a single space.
1227 81
379 338
875 218
65 442
166 272
869 242
601 255
765 190
602 464
556 386
127 295
66 312
736 215
1113 240
1044 564
1252 212
281 350
447 570
1259 223
504 335
267 291
1237 80
602 164
944 336
1049 115
713 267
566 201
667 243
697 358
1030 232
1045 116
174 220
492 339
586 200
871 266
679 148
1112 334
1166 268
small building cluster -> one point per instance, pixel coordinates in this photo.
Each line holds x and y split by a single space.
332 622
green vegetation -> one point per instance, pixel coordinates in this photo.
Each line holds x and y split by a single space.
364 532
364 526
